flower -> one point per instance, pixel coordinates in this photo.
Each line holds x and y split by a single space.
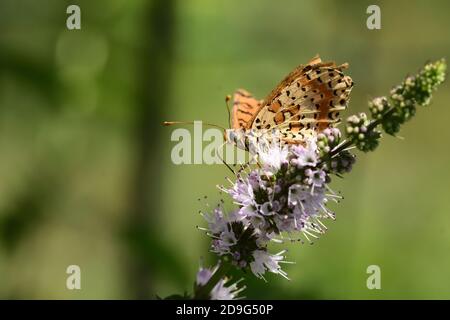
216 221
264 261
220 291
203 276
316 178
305 155
271 153
225 240
243 195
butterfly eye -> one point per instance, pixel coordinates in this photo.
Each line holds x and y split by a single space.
235 136
229 135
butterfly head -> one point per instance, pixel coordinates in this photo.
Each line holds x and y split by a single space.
236 137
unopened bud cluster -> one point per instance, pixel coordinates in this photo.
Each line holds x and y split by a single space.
400 107
327 141
361 134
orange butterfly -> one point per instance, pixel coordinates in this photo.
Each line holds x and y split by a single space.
306 102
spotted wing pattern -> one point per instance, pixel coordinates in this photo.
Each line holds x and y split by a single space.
307 101
245 108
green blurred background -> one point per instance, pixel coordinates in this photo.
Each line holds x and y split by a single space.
86 175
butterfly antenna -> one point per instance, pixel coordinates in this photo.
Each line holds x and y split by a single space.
171 123
227 100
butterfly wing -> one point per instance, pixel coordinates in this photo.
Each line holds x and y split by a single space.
245 107
307 101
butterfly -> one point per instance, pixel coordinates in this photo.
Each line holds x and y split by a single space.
306 102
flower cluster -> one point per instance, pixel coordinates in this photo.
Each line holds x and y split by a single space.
235 238
285 196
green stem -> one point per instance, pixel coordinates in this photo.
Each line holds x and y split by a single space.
203 292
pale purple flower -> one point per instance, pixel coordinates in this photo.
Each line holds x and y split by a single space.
220 291
305 155
216 220
219 229
243 195
267 209
263 261
272 154
316 177
274 159
242 192
257 221
265 237
225 239
254 179
203 276
309 203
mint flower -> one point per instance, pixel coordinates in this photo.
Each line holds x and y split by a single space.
305 156
263 261
221 231
271 153
243 194
220 291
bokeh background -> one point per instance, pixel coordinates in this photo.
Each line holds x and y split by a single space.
85 170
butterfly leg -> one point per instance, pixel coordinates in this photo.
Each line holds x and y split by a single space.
221 159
